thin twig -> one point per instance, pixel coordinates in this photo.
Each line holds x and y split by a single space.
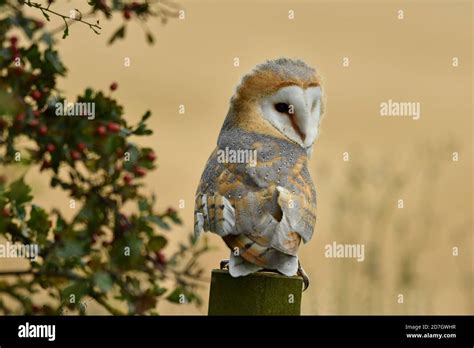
43 9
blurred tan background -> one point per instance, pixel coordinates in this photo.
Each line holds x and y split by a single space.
408 251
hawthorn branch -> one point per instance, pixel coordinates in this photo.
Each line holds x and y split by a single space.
61 28
96 296
45 10
100 300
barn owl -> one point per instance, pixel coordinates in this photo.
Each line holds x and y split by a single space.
264 205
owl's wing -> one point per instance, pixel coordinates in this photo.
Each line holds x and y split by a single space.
213 213
297 217
270 241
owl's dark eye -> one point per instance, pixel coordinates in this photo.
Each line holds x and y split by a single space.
284 108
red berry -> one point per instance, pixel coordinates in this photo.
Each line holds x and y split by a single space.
119 152
34 123
113 86
139 171
50 148
36 95
113 127
37 113
151 156
39 24
75 155
20 117
81 147
15 52
127 178
6 212
160 257
101 131
13 40
127 14
43 130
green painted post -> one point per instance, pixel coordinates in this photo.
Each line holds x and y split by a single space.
261 293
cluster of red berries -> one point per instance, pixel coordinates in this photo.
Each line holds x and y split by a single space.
111 127
35 123
129 8
139 171
77 153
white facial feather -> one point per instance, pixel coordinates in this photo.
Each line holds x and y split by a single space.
304 107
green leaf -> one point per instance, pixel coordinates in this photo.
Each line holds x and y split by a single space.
61 224
142 130
19 192
53 58
119 34
146 116
78 288
134 155
66 32
159 222
34 56
157 290
175 295
47 38
149 37
126 252
175 218
143 205
72 248
103 281
157 243
39 221
112 143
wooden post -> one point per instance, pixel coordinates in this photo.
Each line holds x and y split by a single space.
261 293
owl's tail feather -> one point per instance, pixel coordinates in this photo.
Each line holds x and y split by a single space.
238 267
244 248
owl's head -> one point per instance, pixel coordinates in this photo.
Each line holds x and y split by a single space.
283 97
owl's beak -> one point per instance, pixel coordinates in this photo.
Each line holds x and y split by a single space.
305 127
296 127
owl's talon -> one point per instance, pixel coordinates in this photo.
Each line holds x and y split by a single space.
301 272
224 264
